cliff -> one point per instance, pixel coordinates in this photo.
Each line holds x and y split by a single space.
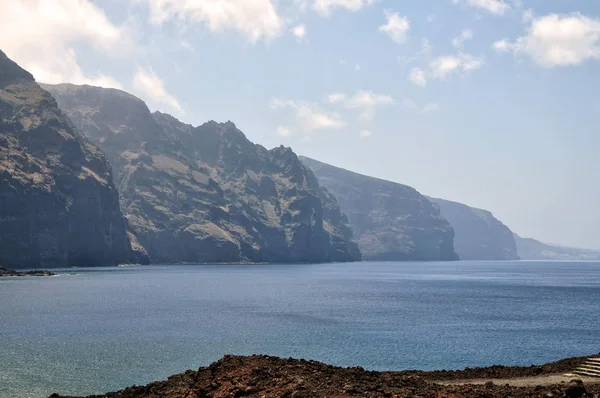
58 205
390 221
531 249
206 193
478 234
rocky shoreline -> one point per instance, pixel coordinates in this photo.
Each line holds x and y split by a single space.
267 376
7 273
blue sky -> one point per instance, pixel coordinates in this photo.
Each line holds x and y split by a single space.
491 103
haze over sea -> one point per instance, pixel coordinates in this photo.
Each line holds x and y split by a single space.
106 328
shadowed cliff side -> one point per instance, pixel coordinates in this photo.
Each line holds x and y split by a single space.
58 205
206 193
390 221
478 234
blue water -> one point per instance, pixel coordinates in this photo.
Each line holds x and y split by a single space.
104 329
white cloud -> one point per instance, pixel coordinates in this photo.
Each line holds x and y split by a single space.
427 108
357 68
466 34
443 66
284 132
336 97
396 28
364 100
309 115
256 20
299 31
557 40
497 7
326 7
431 18
417 77
502 45
430 107
40 34
365 133
148 84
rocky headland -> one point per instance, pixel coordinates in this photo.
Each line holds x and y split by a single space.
478 235
391 221
266 376
531 249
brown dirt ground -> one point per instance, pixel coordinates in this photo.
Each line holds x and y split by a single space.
264 376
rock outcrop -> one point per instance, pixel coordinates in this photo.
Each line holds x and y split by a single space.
206 193
478 234
531 249
58 205
4 273
390 221
266 376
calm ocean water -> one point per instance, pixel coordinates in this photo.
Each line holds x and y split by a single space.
104 329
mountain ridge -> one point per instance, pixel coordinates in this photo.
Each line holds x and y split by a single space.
391 221
207 193
59 205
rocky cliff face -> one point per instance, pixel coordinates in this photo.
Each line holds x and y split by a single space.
478 234
531 249
58 205
206 193
390 221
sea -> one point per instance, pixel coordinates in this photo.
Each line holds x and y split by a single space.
94 330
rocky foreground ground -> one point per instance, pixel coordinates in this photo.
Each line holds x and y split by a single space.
7 272
265 376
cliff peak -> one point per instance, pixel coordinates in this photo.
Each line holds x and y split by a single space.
11 72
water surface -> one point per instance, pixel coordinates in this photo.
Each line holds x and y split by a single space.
107 328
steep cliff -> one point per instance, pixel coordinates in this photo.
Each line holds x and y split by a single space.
531 249
58 205
390 221
478 234
206 193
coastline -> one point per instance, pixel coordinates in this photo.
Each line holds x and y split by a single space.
268 376
8 273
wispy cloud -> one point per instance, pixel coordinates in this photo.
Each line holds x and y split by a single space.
309 115
364 100
149 85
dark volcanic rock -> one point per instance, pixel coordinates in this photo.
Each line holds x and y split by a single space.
58 205
206 193
575 389
390 221
7 272
531 249
264 376
478 234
